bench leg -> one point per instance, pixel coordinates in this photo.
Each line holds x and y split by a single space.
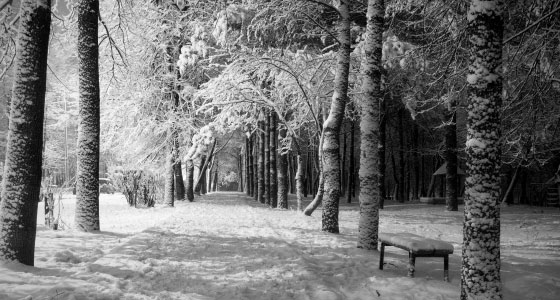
446 268
411 263
381 256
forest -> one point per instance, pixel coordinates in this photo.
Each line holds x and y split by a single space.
273 149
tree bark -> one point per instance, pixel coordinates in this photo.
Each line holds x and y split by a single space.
267 158
299 181
169 196
256 155
480 272
401 188
22 170
189 167
368 227
312 206
273 166
87 182
261 172
451 203
248 166
283 175
381 151
352 165
331 145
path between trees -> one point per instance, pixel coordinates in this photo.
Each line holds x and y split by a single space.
226 246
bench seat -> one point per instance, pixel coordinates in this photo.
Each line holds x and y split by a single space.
417 246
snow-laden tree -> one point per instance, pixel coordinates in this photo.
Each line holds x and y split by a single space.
22 171
480 272
369 127
87 177
331 126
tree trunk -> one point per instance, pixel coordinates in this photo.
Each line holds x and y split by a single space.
261 173
352 167
331 147
416 160
22 170
248 167
256 155
368 227
401 189
321 189
239 169
169 197
299 181
451 203
197 184
343 166
480 272
87 182
282 175
273 166
189 168
267 158
381 151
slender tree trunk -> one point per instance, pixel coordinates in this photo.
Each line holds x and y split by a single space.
343 166
273 165
169 196
480 272
381 150
368 227
240 171
190 179
261 173
248 166
282 175
451 203
416 159
256 155
299 181
22 170
267 158
401 190
87 183
312 206
352 167
197 184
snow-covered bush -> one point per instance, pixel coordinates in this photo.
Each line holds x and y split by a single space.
140 188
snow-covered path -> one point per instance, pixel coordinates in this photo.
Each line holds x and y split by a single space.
226 246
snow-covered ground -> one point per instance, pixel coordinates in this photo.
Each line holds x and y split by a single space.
226 246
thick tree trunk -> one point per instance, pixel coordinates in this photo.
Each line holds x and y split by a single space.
273 166
331 146
451 203
87 182
282 175
368 227
22 170
480 272
343 166
169 194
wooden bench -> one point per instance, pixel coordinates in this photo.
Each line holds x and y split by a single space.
416 246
